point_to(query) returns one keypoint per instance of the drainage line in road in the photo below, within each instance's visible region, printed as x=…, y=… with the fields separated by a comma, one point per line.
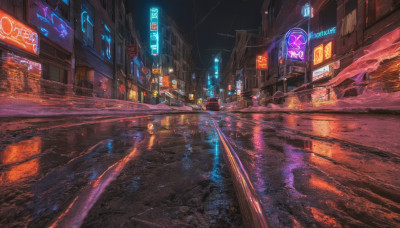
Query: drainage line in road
x=250, y=206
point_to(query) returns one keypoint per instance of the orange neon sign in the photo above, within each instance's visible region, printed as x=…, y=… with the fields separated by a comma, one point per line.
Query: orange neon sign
x=165, y=81
x=318, y=54
x=15, y=33
x=328, y=51
x=322, y=52
x=262, y=62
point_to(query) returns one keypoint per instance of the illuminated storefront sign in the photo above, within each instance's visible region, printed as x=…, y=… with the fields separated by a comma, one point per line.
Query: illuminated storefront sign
x=323, y=33
x=166, y=81
x=17, y=34
x=321, y=72
x=239, y=87
x=191, y=96
x=296, y=42
x=51, y=25
x=322, y=52
x=154, y=36
x=262, y=62
x=156, y=70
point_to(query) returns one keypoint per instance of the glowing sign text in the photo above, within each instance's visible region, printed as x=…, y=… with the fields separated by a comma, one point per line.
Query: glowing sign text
x=262, y=62
x=296, y=42
x=17, y=34
x=106, y=38
x=322, y=52
x=323, y=33
x=154, y=36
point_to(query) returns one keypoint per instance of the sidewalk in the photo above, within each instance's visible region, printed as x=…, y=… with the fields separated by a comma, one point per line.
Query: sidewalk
x=378, y=103
x=40, y=106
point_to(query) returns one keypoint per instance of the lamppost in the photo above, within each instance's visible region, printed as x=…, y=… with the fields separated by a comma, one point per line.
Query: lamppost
x=307, y=12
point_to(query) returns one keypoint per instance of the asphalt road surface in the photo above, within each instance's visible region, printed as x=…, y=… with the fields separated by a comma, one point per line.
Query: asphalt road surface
x=309, y=170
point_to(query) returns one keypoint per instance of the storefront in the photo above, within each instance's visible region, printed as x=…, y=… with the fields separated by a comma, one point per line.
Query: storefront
x=20, y=67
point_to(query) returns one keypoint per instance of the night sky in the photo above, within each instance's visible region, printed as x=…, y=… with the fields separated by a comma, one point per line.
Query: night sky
x=201, y=20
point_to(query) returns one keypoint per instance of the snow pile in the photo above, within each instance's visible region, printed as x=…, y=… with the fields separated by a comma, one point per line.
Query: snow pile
x=387, y=47
x=255, y=109
x=368, y=100
x=74, y=105
x=160, y=106
x=232, y=106
x=183, y=108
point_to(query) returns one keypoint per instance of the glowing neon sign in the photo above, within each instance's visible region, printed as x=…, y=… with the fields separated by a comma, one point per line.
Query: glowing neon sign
x=216, y=67
x=51, y=25
x=306, y=10
x=262, y=62
x=322, y=52
x=106, y=46
x=17, y=34
x=154, y=36
x=296, y=42
x=87, y=25
x=323, y=33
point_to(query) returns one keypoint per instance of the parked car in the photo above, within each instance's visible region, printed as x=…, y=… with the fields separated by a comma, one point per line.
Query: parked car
x=212, y=104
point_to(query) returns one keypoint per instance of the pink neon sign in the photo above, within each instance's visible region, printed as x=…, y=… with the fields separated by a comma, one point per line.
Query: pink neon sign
x=17, y=34
x=296, y=42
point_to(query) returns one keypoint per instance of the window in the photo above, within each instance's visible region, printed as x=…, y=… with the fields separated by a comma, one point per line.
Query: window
x=104, y=3
x=106, y=42
x=53, y=73
x=15, y=8
x=377, y=9
x=350, y=20
x=87, y=24
x=327, y=16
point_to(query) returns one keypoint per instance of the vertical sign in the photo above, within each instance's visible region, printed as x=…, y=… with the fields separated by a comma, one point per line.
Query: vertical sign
x=262, y=62
x=154, y=36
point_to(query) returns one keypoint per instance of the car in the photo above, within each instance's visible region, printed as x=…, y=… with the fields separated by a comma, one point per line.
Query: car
x=212, y=104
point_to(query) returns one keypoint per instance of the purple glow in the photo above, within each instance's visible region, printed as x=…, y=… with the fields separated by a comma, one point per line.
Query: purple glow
x=51, y=25
x=296, y=41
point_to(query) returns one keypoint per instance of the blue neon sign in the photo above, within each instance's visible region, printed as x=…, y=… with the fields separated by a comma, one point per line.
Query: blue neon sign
x=51, y=25
x=107, y=39
x=154, y=35
x=327, y=32
x=216, y=67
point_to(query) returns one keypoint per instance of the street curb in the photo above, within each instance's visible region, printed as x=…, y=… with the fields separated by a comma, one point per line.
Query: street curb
x=250, y=204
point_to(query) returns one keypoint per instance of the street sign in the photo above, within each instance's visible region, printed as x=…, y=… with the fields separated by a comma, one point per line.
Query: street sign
x=132, y=51
x=156, y=71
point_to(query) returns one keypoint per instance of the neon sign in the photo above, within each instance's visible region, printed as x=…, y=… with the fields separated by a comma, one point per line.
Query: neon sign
x=262, y=62
x=321, y=72
x=51, y=25
x=306, y=11
x=216, y=67
x=87, y=25
x=323, y=33
x=154, y=36
x=322, y=52
x=296, y=42
x=106, y=46
x=17, y=34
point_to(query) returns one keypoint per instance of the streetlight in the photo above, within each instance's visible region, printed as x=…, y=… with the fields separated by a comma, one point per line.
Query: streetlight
x=307, y=12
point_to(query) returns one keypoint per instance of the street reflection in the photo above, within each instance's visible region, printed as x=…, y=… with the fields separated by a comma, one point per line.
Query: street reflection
x=216, y=172
x=20, y=152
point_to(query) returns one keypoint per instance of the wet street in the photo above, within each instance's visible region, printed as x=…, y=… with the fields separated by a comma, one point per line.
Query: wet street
x=309, y=170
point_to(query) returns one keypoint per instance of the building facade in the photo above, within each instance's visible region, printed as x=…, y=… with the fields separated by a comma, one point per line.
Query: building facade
x=71, y=47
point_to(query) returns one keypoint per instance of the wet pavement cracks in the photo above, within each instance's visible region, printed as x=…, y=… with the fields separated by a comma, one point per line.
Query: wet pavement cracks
x=321, y=170
x=151, y=171
x=310, y=170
